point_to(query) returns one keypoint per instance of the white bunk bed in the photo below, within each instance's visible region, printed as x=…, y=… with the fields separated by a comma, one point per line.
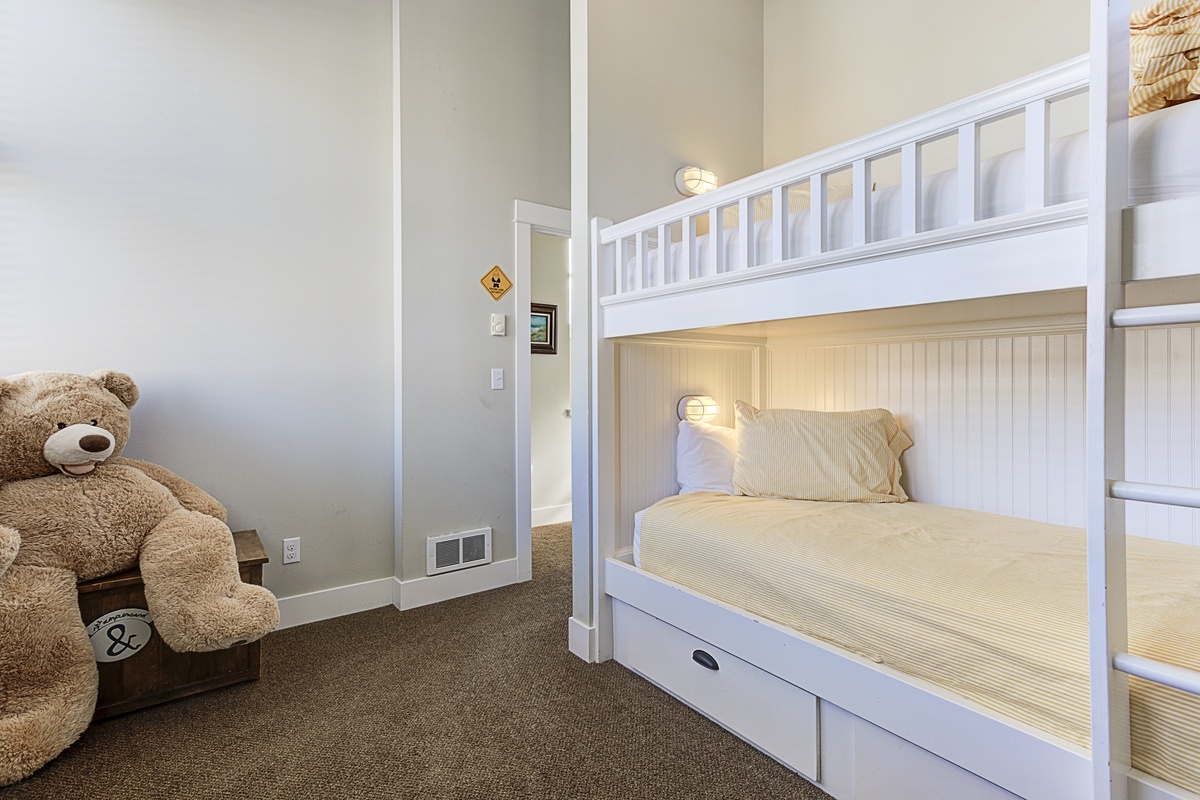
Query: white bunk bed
x=791, y=248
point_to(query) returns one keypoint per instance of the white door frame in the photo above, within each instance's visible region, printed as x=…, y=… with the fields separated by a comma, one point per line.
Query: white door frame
x=528, y=218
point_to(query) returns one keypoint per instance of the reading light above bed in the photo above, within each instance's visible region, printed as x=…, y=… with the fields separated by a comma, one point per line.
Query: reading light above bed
x=693, y=180
x=698, y=408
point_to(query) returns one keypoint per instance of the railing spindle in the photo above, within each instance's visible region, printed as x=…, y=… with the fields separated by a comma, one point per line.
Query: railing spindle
x=779, y=225
x=716, y=242
x=818, y=212
x=968, y=173
x=687, y=250
x=662, y=271
x=1037, y=144
x=860, y=186
x=910, y=188
x=642, y=246
x=746, y=231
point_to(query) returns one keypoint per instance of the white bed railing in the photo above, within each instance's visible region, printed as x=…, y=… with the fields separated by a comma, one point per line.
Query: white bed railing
x=660, y=249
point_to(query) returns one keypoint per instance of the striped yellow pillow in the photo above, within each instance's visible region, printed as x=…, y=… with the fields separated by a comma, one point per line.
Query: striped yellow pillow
x=848, y=456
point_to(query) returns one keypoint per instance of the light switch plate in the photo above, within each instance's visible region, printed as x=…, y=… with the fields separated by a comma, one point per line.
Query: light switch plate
x=497, y=379
x=498, y=326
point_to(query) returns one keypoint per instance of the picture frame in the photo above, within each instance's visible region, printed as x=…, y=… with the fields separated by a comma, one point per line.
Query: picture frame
x=543, y=328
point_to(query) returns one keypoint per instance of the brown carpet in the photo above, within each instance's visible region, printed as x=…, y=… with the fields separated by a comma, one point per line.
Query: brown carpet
x=473, y=698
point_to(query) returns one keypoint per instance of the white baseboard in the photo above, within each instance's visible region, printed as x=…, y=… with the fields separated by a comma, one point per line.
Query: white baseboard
x=449, y=585
x=300, y=609
x=581, y=640
x=550, y=515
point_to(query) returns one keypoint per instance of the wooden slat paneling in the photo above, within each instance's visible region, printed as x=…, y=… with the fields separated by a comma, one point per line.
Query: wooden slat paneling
x=997, y=421
x=651, y=376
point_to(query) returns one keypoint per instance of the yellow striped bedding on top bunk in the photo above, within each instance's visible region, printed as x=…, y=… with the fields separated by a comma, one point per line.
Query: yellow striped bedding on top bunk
x=1164, y=54
x=992, y=608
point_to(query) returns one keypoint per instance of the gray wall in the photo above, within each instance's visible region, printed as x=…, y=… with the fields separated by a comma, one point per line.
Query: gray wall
x=835, y=71
x=484, y=121
x=670, y=83
x=661, y=84
x=198, y=193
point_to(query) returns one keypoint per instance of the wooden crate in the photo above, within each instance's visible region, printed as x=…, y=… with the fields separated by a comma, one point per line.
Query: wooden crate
x=154, y=673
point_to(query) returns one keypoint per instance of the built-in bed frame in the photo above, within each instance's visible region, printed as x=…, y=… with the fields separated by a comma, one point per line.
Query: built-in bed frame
x=859, y=729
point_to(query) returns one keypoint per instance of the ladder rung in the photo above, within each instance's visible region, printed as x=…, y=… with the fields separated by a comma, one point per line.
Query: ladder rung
x=1178, y=314
x=1187, y=680
x=1155, y=493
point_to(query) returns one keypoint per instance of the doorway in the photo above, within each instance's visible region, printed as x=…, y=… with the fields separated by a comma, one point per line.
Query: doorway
x=543, y=381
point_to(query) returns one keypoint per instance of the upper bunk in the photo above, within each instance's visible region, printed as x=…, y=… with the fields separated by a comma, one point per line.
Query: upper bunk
x=981, y=198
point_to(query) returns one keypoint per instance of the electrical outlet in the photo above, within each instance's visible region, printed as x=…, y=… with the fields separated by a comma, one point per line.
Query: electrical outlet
x=291, y=551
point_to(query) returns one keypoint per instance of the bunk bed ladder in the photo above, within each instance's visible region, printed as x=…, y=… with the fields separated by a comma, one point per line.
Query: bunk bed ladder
x=1105, y=426
x=1106, y=488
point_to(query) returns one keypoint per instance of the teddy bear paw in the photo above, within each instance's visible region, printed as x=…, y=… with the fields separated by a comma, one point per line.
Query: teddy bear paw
x=244, y=614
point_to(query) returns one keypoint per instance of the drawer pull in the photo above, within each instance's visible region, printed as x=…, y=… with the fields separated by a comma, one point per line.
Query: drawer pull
x=705, y=660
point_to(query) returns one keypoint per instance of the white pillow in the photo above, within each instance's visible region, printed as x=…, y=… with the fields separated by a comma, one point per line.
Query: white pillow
x=704, y=457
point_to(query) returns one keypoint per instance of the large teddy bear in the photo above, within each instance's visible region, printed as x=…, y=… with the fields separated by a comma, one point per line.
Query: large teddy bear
x=72, y=509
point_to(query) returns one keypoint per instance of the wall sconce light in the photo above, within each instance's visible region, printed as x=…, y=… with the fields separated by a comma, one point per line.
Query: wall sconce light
x=698, y=408
x=693, y=180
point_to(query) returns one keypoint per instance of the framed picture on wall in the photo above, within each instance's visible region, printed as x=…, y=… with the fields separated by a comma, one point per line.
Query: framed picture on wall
x=543, y=328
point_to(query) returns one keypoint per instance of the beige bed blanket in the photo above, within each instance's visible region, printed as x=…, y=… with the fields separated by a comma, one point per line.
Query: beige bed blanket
x=1164, y=54
x=992, y=608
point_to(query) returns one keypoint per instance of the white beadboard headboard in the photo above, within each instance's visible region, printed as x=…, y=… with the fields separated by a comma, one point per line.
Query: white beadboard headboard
x=996, y=415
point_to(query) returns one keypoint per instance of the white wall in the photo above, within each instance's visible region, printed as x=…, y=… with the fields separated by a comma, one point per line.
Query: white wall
x=484, y=120
x=199, y=193
x=834, y=71
x=550, y=387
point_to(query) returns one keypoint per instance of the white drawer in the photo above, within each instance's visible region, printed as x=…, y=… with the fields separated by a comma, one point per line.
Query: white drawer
x=776, y=717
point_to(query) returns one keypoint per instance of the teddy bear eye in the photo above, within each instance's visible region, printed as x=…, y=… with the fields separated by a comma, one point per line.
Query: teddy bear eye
x=95, y=423
x=62, y=425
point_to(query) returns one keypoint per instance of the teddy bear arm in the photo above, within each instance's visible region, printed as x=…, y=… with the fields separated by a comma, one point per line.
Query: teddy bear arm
x=189, y=495
x=194, y=589
x=48, y=669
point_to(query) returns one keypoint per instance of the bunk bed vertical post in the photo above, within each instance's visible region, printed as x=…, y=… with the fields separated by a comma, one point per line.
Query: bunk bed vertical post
x=746, y=231
x=603, y=459
x=818, y=212
x=910, y=188
x=606, y=272
x=968, y=173
x=779, y=225
x=861, y=188
x=1107, y=196
x=1037, y=142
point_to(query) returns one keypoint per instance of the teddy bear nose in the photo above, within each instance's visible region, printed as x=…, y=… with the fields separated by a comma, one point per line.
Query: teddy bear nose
x=94, y=443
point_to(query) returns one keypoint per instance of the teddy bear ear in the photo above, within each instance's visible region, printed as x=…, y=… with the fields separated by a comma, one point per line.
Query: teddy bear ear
x=119, y=384
x=5, y=388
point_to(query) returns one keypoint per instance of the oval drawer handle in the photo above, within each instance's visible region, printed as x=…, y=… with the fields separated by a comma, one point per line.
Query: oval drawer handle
x=705, y=660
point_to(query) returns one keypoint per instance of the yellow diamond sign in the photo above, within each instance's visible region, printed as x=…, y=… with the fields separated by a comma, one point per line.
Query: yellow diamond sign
x=496, y=282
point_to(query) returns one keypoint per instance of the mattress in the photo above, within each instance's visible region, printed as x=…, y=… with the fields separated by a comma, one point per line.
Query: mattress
x=992, y=608
x=1164, y=163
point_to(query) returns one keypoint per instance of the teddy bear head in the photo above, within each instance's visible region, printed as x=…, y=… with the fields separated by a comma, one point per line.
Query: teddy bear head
x=59, y=422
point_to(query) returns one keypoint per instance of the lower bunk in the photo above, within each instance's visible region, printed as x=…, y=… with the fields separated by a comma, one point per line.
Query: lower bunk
x=878, y=671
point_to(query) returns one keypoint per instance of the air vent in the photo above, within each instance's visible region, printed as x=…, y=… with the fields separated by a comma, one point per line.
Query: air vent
x=458, y=551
